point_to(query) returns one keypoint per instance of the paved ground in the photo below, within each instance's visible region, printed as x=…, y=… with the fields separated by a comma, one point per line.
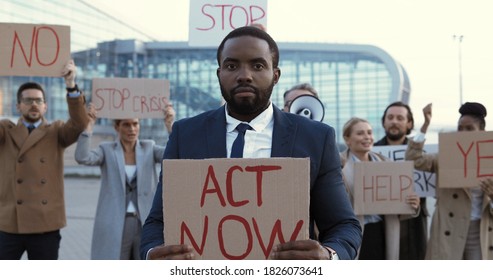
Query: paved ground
x=81, y=196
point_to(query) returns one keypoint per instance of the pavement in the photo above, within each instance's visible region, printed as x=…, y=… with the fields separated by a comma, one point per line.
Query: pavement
x=81, y=197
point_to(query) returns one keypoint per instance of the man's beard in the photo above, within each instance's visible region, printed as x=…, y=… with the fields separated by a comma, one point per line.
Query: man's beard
x=248, y=106
x=395, y=136
x=27, y=117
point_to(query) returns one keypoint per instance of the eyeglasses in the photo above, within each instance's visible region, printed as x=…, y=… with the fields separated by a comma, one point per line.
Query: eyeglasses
x=31, y=101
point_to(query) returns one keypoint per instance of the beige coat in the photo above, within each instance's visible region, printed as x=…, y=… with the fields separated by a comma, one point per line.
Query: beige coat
x=31, y=184
x=450, y=223
x=392, y=222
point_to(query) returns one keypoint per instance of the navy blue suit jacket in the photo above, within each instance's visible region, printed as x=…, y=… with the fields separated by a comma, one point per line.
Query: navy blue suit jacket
x=204, y=136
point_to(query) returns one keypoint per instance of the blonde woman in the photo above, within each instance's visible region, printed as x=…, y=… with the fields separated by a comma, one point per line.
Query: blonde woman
x=381, y=233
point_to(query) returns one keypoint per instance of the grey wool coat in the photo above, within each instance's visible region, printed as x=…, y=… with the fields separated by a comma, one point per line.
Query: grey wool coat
x=111, y=208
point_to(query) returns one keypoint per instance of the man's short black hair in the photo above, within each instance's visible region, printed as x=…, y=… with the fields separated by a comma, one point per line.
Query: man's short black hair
x=28, y=85
x=254, y=32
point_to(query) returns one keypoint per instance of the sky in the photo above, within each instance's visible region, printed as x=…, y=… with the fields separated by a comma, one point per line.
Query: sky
x=417, y=33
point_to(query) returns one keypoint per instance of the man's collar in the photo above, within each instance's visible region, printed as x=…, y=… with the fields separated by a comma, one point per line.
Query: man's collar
x=36, y=124
x=258, y=123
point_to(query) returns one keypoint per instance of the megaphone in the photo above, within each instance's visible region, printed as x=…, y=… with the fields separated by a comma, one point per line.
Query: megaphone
x=308, y=106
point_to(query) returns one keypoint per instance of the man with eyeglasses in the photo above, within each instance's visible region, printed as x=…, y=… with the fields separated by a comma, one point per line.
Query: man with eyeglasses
x=32, y=206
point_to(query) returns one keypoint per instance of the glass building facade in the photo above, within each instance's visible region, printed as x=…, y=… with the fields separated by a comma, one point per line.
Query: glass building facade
x=352, y=80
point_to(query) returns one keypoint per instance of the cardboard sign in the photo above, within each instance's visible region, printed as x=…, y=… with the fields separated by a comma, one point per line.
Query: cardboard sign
x=33, y=49
x=382, y=187
x=424, y=182
x=464, y=158
x=235, y=208
x=124, y=98
x=212, y=20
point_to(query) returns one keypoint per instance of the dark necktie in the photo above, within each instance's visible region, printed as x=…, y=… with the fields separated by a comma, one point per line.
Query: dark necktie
x=30, y=128
x=239, y=143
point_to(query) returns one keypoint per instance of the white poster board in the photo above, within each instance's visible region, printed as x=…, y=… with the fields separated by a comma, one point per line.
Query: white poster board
x=424, y=182
x=381, y=187
x=236, y=208
x=33, y=49
x=126, y=98
x=464, y=158
x=212, y=20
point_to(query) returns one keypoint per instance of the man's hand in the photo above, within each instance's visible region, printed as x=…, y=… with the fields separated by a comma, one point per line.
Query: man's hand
x=300, y=250
x=92, y=114
x=169, y=115
x=427, y=116
x=171, y=252
x=68, y=73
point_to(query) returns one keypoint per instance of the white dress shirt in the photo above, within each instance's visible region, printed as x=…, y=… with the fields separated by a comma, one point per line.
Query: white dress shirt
x=258, y=142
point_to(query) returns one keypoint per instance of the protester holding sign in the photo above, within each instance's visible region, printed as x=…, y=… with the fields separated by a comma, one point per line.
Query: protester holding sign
x=248, y=70
x=32, y=206
x=463, y=218
x=380, y=232
x=398, y=122
x=128, y=183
